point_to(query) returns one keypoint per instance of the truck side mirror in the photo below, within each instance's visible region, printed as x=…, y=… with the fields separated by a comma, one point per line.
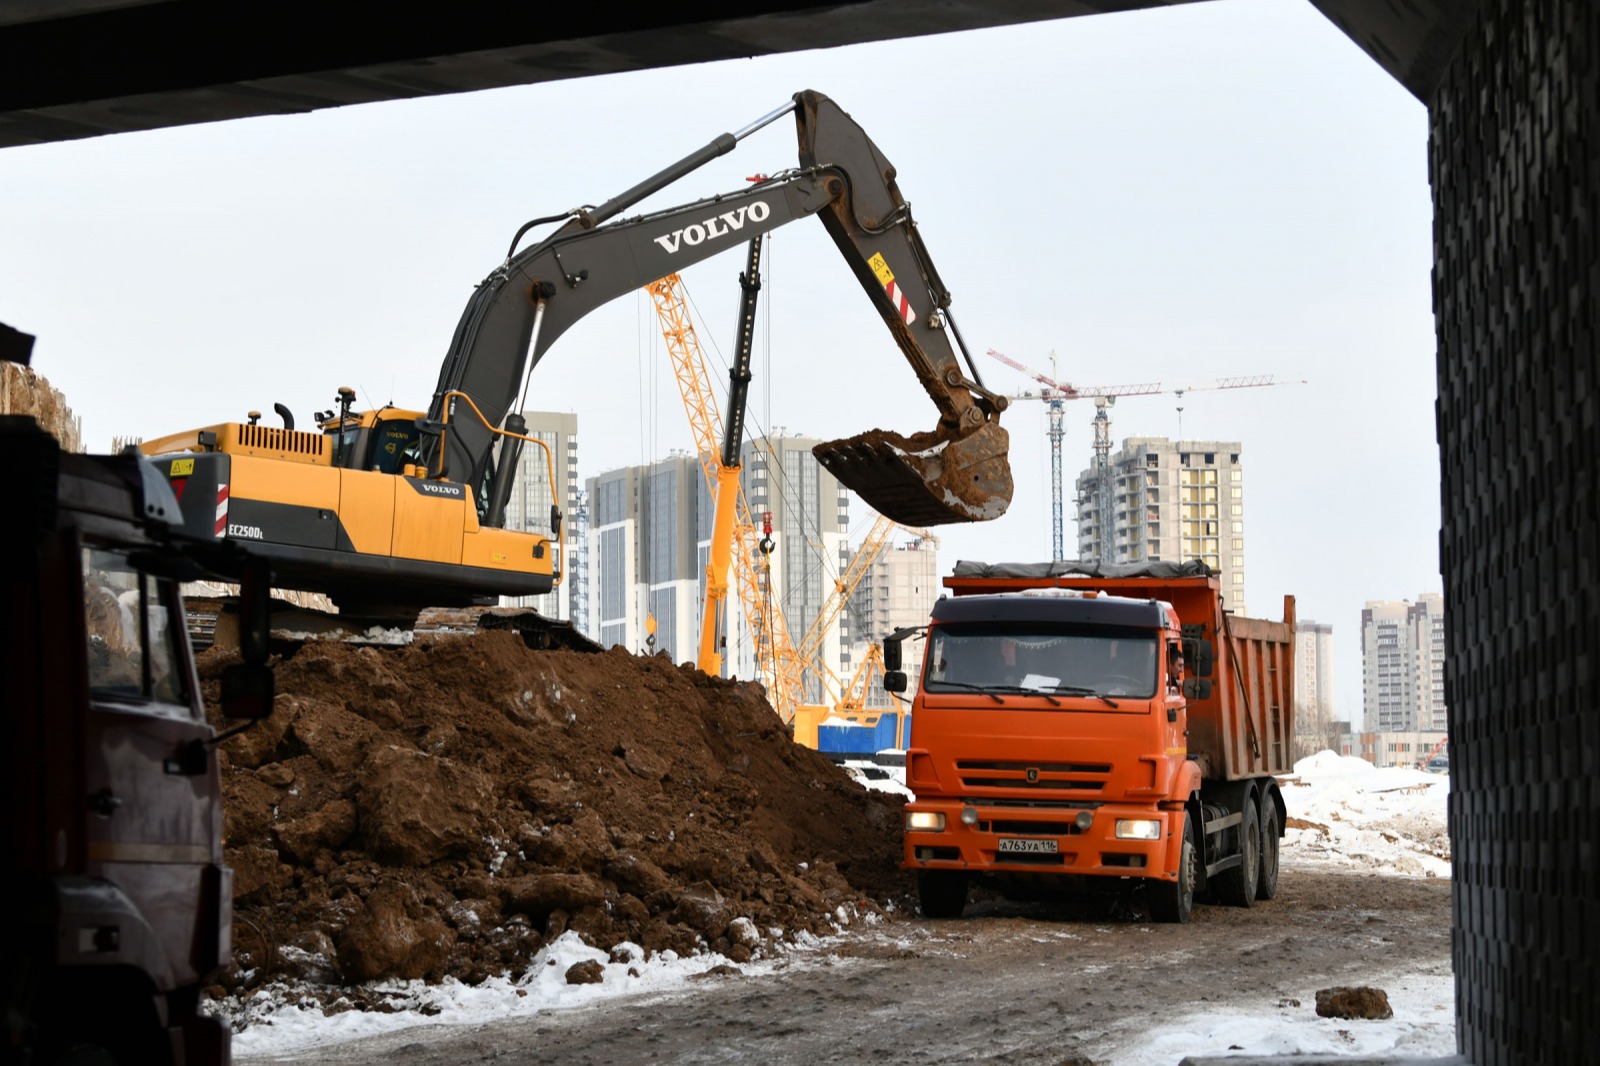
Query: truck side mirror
x=894, y=680
x=891, y=662
x=555, y=521
x=1201, y=656
x=247, y=691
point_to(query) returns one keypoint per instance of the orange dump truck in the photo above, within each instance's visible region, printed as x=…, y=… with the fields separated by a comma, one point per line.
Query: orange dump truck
x=1080, y=728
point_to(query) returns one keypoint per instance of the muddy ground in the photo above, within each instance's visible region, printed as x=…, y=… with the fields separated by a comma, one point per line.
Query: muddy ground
x=1007, y=983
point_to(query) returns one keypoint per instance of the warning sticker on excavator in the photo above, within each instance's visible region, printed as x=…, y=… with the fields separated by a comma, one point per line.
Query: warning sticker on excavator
x=896, y=297
x=181, y=468
x=881, y=268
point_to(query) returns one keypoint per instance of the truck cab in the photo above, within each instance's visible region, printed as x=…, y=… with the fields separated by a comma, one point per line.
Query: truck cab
x=113, y=839
x=1072, y=735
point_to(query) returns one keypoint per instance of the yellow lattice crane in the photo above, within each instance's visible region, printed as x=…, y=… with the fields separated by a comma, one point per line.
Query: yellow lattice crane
x=737, y=552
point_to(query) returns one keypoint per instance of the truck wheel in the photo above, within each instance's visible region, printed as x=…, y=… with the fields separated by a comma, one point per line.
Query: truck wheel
x=1172, y=901
x=1237, y=886
x=943, y=893
x=1267, y=879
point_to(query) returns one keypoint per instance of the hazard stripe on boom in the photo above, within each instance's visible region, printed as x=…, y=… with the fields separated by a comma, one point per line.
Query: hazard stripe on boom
x=900, y=302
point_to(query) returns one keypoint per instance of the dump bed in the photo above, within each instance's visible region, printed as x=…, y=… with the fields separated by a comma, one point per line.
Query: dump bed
x=1242, y=723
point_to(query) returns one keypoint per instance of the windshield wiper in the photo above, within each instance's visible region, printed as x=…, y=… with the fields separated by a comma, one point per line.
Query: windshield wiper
x=1079, y=690
x=1027, y=690
x=970, y=687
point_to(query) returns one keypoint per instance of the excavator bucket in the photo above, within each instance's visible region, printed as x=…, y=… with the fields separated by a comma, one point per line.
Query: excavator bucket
x=927, y=479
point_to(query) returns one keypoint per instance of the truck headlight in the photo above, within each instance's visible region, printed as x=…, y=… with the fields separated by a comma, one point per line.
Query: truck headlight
x=1138, y=829
x=925, y=821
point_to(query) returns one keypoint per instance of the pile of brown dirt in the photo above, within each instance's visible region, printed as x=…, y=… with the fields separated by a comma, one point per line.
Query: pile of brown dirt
x=448, y=807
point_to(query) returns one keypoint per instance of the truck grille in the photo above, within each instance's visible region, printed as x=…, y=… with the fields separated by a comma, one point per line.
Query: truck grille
x=1038, y=829
x=1052, y=776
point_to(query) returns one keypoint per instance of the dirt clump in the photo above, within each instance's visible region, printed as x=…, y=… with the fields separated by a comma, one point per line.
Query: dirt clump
x=450, y=806
x=1353, y=1002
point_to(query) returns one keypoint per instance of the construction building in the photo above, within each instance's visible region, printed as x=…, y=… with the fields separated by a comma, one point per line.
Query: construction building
x=533, y=495
x=810, y=515
x=1402, y=665
x=649, y=545
x=1313, y=675
x=1164, y=500
x=647, y=524
x=898, y=590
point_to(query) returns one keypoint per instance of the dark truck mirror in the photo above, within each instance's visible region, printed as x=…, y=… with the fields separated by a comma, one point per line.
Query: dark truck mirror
x=894, y=678
x=1200, y=656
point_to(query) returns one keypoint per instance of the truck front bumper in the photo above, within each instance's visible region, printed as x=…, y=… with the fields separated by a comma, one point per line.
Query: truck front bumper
x=1044, y=840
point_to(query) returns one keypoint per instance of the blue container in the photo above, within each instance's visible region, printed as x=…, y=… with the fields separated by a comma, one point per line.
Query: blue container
x=858, y=739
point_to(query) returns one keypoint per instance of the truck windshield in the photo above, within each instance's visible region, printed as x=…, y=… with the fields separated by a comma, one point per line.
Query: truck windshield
x=1041, y=657
x=129, y=618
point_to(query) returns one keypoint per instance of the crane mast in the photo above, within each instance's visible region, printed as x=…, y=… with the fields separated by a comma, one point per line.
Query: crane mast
x=1055, y=393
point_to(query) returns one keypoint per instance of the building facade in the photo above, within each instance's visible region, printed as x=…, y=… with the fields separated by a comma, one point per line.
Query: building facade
x=1313, y=677
x=533, y=495
x=897, y=591
x=1402, y=665
x=810, y=516
x=649, y=545
x=1169, y=501
x=646, y=528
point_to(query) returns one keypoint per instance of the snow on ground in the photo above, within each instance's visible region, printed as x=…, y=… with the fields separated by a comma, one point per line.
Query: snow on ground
x=1346, y=813
x=1343, y=813
x=1423, y=1026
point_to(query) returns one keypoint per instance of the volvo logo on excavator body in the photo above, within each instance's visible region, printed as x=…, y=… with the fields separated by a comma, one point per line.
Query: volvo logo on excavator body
x=715, y=226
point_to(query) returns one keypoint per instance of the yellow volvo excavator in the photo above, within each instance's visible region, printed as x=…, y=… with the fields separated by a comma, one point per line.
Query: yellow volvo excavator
x=391, y=510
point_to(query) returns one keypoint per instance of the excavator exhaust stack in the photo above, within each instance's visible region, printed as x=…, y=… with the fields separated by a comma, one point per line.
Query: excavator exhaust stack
x=928, y=479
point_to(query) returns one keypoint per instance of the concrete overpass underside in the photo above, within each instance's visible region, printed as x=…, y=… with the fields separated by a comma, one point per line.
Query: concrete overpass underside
x=1513, y=93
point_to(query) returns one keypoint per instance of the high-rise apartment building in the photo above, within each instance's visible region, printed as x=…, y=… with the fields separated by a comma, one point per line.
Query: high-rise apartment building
x=1313, y=676
x=646, y=524
x=1170, y=501
x=649, y=545
x=898, y=590
x=1402, y=665
x=810, y=513
x=533, y=494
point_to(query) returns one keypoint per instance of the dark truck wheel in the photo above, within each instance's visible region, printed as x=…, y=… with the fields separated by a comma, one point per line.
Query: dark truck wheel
x=943, y=893
x=1267, y=877
x=1172, y=901
x=1236, y=886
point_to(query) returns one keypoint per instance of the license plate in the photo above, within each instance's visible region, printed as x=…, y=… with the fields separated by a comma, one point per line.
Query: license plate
x=1011, y=845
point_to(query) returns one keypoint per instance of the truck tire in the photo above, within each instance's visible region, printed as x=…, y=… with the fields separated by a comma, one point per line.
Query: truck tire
x=943, y=893
x=1237, y=886
x=1267, y=878
x=1171, y=902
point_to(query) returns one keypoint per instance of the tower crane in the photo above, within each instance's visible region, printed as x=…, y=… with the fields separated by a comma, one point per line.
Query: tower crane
x=1054, y=393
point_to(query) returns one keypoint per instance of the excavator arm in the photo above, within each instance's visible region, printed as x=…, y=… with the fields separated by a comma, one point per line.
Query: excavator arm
x=957, y=472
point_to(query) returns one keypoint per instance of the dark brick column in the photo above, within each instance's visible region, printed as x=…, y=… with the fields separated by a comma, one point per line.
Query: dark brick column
x=1515, y=167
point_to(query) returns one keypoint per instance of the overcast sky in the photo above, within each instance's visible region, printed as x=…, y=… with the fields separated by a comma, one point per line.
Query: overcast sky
x=1178, y=195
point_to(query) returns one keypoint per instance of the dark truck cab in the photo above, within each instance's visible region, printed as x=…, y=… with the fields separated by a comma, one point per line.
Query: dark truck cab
x=121, y=904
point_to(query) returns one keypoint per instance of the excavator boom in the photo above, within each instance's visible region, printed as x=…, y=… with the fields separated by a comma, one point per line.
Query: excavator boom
x=958, y=472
